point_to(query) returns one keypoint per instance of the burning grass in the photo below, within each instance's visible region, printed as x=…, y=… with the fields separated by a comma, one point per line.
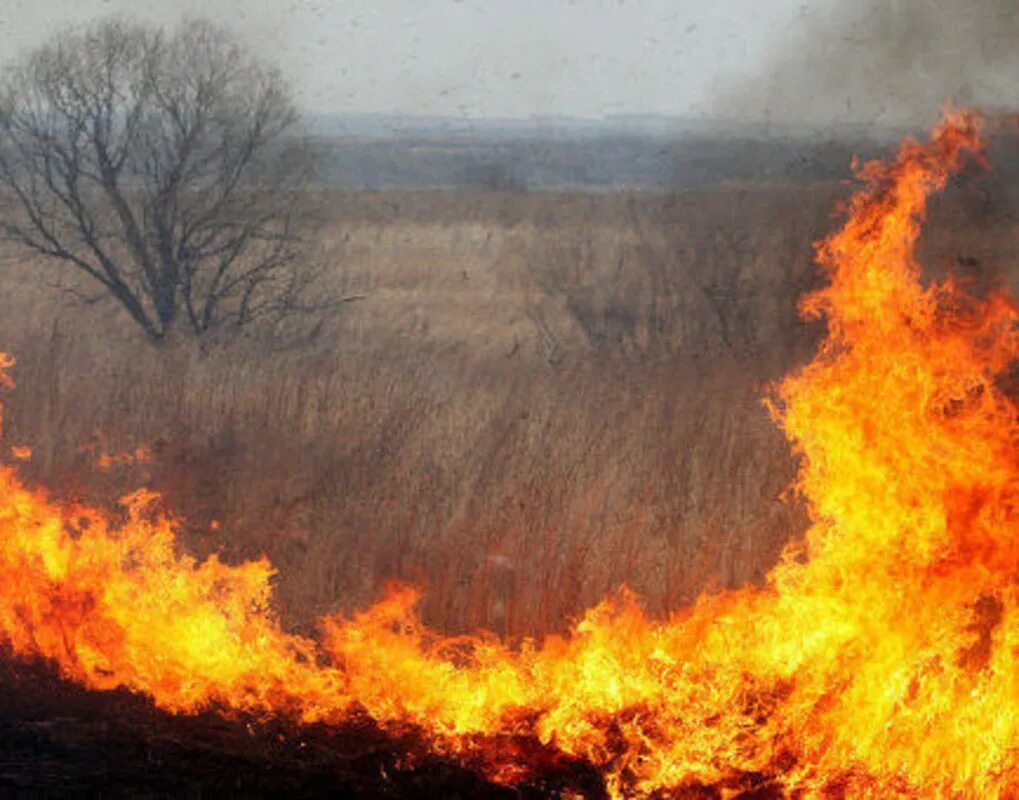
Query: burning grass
x=877, y=660
x=517, y=492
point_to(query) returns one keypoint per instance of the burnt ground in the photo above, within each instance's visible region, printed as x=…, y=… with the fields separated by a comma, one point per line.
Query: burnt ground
x=59, y=740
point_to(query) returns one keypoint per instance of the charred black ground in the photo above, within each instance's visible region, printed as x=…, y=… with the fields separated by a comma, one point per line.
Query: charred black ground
x=60, y=740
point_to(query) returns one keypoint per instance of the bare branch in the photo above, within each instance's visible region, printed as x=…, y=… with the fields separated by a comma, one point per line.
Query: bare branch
x=158, y=164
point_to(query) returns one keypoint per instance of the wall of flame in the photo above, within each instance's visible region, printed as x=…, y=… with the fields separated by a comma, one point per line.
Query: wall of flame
x=879, y=659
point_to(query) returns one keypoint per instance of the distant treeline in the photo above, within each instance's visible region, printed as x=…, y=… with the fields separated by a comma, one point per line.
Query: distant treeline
x=657, y=154
x=600, y=163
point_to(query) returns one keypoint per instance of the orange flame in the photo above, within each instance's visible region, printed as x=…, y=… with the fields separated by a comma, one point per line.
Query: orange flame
x=879, y=659
x=140, y=455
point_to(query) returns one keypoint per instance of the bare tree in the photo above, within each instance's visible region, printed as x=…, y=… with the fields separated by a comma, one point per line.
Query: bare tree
x=158, y=164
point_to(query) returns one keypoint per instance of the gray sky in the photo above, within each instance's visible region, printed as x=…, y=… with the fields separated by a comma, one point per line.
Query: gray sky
x=796, y=60
x=502, y=58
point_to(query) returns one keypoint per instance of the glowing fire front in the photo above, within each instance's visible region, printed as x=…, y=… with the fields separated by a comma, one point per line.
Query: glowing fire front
x=878, y=660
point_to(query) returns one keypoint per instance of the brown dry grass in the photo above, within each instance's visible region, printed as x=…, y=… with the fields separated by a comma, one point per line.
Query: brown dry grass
x=542, y=397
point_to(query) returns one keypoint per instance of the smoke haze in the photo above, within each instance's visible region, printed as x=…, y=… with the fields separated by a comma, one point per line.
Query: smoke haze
x=886, y=61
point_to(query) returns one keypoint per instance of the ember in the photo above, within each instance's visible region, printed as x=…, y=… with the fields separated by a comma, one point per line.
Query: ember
x=879, y=659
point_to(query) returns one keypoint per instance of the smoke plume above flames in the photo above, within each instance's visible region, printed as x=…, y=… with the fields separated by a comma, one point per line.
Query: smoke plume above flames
x=890, y=62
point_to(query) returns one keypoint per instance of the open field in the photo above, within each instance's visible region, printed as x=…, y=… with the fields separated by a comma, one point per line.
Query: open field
x=540, y=397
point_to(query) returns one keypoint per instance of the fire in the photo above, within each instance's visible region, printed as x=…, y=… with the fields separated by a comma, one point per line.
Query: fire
x=878, y=660
x=140, y=455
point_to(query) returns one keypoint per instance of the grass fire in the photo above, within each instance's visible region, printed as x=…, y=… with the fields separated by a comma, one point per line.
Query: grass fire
x=876, y=659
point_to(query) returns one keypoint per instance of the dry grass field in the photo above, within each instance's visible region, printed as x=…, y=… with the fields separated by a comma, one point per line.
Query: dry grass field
x=539, y=398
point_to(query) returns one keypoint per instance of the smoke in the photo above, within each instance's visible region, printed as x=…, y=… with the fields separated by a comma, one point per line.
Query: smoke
x=890, y=62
